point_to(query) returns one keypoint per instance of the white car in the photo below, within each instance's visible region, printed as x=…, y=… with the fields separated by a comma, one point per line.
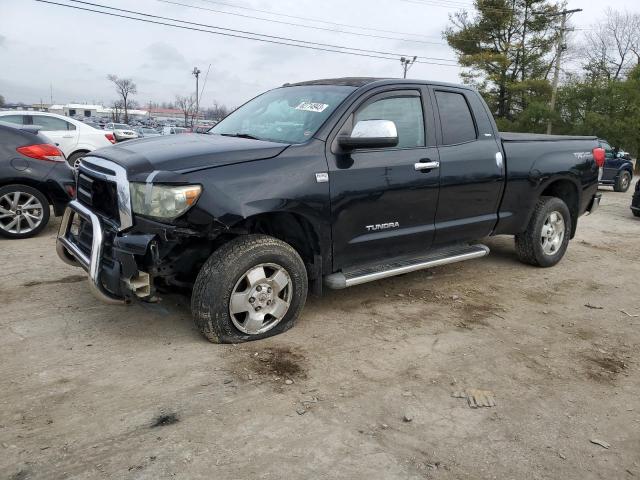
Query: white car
x=174, y=130
x=122, y=131
x=73, y=137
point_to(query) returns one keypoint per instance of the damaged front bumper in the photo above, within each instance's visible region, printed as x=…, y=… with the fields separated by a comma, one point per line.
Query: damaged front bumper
x=117, y=280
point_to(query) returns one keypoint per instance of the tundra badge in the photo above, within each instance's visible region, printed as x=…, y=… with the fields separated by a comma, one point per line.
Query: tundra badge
x=382, y=226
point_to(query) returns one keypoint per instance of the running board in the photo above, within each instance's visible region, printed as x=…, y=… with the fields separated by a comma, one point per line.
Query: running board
x=435, y=258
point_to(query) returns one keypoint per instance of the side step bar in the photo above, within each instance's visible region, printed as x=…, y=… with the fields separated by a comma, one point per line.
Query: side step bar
x=350, y=278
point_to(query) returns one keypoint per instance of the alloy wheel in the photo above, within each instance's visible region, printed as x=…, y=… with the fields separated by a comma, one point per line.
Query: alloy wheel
x=553, y=231
x=261, y=298
x=20, y=212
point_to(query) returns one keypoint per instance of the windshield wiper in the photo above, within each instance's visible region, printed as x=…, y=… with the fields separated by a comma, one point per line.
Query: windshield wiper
x=240, y=135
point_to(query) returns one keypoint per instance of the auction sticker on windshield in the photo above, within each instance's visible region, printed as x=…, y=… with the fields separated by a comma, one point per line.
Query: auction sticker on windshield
x=312, y=107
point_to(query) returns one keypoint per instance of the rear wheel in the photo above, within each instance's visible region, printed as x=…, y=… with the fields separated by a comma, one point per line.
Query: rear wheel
x=24, y=211
x=546, y=238
x=622, y=182
x=250, y=288
x=74, y=159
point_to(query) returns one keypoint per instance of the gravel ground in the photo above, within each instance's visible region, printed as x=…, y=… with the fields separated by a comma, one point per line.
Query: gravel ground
x=361, y=387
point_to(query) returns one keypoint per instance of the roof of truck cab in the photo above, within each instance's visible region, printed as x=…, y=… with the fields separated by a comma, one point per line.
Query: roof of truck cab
x=362, y=81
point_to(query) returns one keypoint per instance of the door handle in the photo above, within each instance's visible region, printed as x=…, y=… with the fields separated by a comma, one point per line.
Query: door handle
x=426, y=165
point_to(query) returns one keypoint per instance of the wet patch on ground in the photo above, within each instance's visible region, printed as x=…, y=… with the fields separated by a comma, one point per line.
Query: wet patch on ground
x=63, y=280
x=165, y=419
x=604, y=368
x=273, y=363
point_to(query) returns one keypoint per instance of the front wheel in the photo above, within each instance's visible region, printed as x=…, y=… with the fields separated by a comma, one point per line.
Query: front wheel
x=622, y=182
x=24, y=211
x=546, y=238
x=250, y=288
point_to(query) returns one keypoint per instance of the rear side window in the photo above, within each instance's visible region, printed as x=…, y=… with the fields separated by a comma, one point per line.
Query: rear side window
x=17, y=119
x=456, y=118
x=405, y=112
x=51, y=124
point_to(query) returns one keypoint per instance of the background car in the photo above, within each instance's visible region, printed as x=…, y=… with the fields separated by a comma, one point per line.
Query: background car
x=635, y=203
x=73, y=137
x=170, y=130
x=618, y=170
x=122, y=131
x=34, y=175
x=147, y=132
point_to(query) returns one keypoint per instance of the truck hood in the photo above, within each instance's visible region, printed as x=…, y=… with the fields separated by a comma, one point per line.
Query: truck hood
x=186, y=152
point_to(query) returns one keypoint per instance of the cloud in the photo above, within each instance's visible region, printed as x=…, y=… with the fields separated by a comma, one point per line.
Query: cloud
x=3, y=40
x=163, y=55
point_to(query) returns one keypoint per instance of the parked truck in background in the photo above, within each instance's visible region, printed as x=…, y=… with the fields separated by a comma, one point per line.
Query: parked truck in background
x=325, y=183
x=618, y=168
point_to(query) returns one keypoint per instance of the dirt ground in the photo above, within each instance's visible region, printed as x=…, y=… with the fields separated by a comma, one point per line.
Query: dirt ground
x=361, y=387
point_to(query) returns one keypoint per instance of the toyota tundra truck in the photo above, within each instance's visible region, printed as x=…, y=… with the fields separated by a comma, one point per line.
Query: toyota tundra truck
x=327, y=183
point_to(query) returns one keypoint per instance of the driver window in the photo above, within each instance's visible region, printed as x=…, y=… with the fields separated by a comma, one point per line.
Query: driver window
x=405, y=112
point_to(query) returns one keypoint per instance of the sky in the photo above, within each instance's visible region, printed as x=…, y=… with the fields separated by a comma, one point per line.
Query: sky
x=47, y=48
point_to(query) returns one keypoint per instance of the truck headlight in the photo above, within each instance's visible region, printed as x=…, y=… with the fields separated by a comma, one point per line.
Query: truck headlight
x=163, y=201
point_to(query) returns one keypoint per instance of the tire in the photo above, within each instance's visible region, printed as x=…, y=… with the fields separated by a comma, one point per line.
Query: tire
x=74, y=157
x=26, y=226
x=622, y=182
x=234, y=268
x=537, y=249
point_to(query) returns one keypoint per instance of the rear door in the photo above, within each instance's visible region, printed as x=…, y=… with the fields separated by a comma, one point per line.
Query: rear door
x=471, y=167
x=64, y=134
x=381, y=205
x=611, y=165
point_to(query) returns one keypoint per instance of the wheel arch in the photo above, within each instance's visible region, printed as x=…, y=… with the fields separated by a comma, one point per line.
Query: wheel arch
x=568, y=191
x=29, y=183
x=292, y=228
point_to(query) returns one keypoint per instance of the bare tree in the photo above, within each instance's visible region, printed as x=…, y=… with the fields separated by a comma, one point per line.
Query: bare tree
x=217, y=112
x=612, y=44
x=116, y=109
x=124, y=87
x=187, y=105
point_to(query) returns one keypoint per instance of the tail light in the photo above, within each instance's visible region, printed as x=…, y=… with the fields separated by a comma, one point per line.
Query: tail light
x=599, y=156
x=42, y=151
x=71, y=190
x=110, y=137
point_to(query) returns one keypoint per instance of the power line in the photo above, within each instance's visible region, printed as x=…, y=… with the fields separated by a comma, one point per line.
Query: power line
x=313, y=27
x=245, y=32
x=311, y=19
x=183, y=27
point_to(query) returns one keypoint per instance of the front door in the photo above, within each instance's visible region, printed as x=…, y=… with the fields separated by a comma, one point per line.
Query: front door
x=381, y=205
x=471, y=168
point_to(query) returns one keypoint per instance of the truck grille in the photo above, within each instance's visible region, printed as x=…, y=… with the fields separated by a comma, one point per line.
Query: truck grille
x=100, y=195
x=103, y=187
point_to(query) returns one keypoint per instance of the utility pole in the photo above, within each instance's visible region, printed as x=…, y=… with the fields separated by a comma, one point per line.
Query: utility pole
x=406, y=64
x=556, y=69
x=196, y=72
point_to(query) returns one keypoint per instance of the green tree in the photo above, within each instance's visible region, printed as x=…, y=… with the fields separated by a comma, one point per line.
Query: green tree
x=506, y=48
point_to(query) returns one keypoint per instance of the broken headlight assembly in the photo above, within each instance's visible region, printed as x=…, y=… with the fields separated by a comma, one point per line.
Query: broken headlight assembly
x=164, y=202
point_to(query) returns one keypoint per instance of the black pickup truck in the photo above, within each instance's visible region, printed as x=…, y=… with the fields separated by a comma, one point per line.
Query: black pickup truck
x=324, y=183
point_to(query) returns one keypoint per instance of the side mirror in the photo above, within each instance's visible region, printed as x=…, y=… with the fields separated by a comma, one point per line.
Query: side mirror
x=370, y=134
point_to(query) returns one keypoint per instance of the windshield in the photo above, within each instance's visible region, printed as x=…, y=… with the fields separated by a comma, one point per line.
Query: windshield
x=284, y=115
